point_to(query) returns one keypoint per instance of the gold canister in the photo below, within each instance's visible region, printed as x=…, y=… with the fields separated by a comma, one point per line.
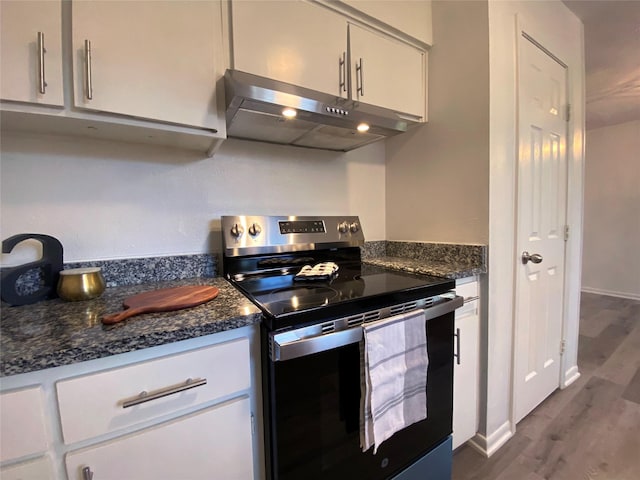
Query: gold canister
x=80, y=284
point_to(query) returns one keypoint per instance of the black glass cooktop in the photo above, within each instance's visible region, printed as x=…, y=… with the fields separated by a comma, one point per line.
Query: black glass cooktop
x=286, y=301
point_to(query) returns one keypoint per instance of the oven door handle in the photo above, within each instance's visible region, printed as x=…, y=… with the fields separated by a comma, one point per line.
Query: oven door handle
x=287, y=350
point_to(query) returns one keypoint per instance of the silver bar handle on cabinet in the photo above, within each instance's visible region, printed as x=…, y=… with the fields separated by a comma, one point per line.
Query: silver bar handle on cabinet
x=457, y=354
x=87, y=66
x=42, y=84
x=359, y=73
x=307, y=346
x=147, y=397
x=342, y=71
x=87, y=474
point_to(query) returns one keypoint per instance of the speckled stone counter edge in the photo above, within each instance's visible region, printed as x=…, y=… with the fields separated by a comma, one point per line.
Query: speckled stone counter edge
x=439, y=259
x=53, y=332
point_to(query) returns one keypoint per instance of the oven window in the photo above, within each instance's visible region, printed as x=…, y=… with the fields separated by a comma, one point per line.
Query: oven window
x=313, y=414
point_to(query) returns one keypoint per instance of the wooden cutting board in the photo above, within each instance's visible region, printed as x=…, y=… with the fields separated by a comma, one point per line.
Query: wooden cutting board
x=163, y=300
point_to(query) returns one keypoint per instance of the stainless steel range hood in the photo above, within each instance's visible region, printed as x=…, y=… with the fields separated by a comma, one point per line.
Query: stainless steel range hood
x=255, y=105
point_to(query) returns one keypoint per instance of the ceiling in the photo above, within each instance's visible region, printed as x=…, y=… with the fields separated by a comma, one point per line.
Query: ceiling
x=612, y=59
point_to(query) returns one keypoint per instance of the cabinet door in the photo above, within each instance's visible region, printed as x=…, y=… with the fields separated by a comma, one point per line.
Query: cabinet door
x=21, y=61
x=39, y=469
x=22, y=423
x=290, y=41
x=153, y=60
x=387, y=73
x=411, y=17
x=465, y=374
x=213, y=444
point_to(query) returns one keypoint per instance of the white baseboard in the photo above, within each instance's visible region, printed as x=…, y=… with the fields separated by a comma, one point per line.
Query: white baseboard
x=611, y=293
x=570, y=376
x=487, y=446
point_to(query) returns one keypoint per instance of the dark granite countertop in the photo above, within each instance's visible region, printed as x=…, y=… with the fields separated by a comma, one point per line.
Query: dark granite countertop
x=52, y=333
x=448, y=269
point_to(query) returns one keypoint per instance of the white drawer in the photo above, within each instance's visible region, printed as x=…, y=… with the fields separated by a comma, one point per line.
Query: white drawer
x=212, y=444
x=95, y=404
x=38, y=469
x=22, y=427
x=468, y=290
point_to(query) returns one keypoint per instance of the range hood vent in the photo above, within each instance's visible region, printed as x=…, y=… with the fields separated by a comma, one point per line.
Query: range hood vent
x=255, y=105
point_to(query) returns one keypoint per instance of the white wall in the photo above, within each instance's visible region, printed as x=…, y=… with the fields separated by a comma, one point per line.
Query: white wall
x=611, y=260
x=107, y=200
x=438, y=174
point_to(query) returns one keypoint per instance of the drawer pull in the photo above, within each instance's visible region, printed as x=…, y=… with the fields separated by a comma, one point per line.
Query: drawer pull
x=87, y=474
x=88, y=80
x=147, y=397
x=42, y=84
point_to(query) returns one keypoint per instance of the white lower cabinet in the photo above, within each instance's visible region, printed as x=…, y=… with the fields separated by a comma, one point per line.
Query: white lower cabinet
x=466, y=372
x=22, y=425
x=38, y=469
x=215, y=443
x=95, y=404
x=181, y=411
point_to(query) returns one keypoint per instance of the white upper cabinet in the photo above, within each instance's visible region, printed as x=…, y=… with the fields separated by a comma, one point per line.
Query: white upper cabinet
x=152, y=60
x=412, y=17
x=307, y=44
x=293, y=42
x=31, y=52
x=386, y=72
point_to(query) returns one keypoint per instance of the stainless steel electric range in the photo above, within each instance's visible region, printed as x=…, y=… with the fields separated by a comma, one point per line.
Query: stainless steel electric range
x=306, y=275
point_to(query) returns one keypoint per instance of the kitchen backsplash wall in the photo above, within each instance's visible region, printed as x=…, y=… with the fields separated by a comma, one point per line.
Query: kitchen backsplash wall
x=108, y=200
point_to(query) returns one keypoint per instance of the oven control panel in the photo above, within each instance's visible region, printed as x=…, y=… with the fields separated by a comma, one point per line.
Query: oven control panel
x=301, y=226
x=250, y=235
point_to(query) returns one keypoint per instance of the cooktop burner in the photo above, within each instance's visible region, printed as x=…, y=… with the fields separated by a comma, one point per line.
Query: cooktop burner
x=301, y=296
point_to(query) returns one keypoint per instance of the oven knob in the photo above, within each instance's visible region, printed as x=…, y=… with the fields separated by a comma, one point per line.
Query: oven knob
x=237, y=231
x=354, y=227
x=343, y=227
x=254, y=230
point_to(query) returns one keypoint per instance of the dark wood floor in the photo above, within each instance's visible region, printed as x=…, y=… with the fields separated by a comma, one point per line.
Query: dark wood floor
x=590, y=430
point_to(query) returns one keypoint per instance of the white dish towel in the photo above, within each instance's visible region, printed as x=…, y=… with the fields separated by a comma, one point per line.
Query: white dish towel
x=394, y=362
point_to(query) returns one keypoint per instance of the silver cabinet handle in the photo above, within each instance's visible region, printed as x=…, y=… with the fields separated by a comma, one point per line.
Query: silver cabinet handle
x=342, y=72
x=42, y=84
x=457, y=354
x=535, y=258
x=88, y=83
x=359, y=73
x=87, y=474
x=147, y=397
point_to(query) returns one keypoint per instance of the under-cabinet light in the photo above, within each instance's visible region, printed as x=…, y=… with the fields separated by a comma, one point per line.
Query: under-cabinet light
x=289, y=112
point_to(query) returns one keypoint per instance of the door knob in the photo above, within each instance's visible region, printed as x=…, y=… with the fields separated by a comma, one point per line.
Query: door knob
x=535, y=258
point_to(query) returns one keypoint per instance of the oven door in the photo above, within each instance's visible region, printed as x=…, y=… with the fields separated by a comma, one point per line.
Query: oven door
x=312, y=406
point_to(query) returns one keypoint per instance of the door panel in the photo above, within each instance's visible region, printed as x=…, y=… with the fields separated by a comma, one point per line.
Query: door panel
x=153, y=60
x=297, y=43
x=541, y=218
x=19, y=72
x=391, y=75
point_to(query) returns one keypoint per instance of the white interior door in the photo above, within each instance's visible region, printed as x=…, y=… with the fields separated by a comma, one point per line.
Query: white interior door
x=541, y=218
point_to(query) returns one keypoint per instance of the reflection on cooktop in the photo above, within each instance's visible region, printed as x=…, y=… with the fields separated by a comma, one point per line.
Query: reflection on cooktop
x=280, y=294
